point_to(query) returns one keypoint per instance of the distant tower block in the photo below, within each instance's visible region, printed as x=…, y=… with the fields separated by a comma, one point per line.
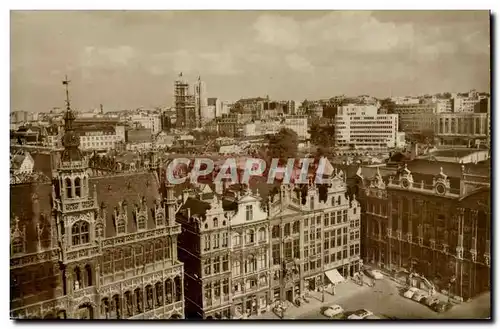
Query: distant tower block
x=184, y=104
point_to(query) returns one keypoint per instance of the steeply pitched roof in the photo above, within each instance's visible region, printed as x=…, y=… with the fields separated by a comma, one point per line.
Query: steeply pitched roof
x=129, y=187
x=31, y=203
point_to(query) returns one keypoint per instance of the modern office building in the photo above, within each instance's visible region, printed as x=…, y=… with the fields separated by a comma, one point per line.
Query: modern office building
x=360, y=126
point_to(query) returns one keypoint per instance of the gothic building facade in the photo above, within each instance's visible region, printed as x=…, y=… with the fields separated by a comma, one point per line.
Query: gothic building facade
x=94, y=247
x=435, y=225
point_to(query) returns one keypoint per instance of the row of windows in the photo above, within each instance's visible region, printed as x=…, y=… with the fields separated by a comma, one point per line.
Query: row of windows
x=77, y=184
x=94, y=144
x=330, y=217
x=250, y=237
x=250, y=265
x=135, y=303
x=215, y=265
x=332, y=240
x=215, y=289
x=138, y=256
x=215, y=241
x=105, y=137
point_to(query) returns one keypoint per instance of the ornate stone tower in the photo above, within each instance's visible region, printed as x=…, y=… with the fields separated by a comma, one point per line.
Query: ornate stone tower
x=75, y=211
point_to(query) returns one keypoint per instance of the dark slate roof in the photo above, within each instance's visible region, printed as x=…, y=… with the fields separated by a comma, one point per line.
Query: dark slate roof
x=196, y=206
x=42, y=163
x=130, y=187
x=451, y=169
x=24, y=206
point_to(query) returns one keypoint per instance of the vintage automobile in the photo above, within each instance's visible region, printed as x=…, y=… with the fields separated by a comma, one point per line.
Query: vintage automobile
x=360, y=314
x=333, y=311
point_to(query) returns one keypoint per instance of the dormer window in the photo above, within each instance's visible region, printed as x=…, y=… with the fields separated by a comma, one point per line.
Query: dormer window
x=249, y=212
x=17, y=246
x=159, y=220
x=141, y=222
x=216, y=222
x=121, y=227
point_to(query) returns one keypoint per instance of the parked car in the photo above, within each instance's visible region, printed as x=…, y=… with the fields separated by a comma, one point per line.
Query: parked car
x=410, y=292
x=359, y=314
x=429, y=301
x=373, y=317
x=441, y=307
x=374, y=274
x=418, y=296
x=333, y=311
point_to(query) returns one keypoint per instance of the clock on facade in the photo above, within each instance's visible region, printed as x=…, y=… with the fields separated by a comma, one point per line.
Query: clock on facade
x=440, y=189
x=406, y=183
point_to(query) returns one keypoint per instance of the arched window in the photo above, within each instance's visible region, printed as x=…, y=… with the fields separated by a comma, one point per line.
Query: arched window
x=236, y=239
x=216, y=222
x=121, y=226
x=75, y=234
x=333, y=201
x=105, y=308
x=17, y=246
x=236, y=267
x=262, y=234
x=178, y=288
x=78, y=187
x=138, y=299
x=69, y=188
x=128, y=304
x=159, y=294
x=88, y=275
x=116, y=307
x=84, y=233
x=168, y=292
x=149, y=297
x=338, y=200
x=77, y=279
x=158, y=250
x=250, y=236
x=84, y=185
x=159, y=220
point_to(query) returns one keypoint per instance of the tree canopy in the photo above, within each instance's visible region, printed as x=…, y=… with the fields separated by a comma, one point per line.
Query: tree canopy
x=283, y=145
x=323, y=136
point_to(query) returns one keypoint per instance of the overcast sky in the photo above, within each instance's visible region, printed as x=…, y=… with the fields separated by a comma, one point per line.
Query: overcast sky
x=130, y=59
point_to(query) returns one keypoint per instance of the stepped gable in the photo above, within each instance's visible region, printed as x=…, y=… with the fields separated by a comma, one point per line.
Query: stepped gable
x=129, y=188
x=31, y=204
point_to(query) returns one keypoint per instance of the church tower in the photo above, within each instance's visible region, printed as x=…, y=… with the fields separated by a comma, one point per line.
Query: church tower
x=75, y=208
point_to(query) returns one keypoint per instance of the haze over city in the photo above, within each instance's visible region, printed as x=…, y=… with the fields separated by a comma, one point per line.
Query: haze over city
x=128, y=60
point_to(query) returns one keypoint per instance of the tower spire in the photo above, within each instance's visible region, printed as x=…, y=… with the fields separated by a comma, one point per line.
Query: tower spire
x=69, y=116
x=71, y=139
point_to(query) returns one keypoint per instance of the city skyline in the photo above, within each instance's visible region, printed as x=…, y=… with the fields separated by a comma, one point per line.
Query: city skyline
x=284, y=54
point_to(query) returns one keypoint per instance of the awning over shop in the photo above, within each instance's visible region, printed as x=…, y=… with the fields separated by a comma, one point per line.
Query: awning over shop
x=334, y=276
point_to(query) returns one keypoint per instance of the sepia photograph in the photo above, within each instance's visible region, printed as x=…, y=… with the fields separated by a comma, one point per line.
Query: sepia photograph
x=321, y=165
